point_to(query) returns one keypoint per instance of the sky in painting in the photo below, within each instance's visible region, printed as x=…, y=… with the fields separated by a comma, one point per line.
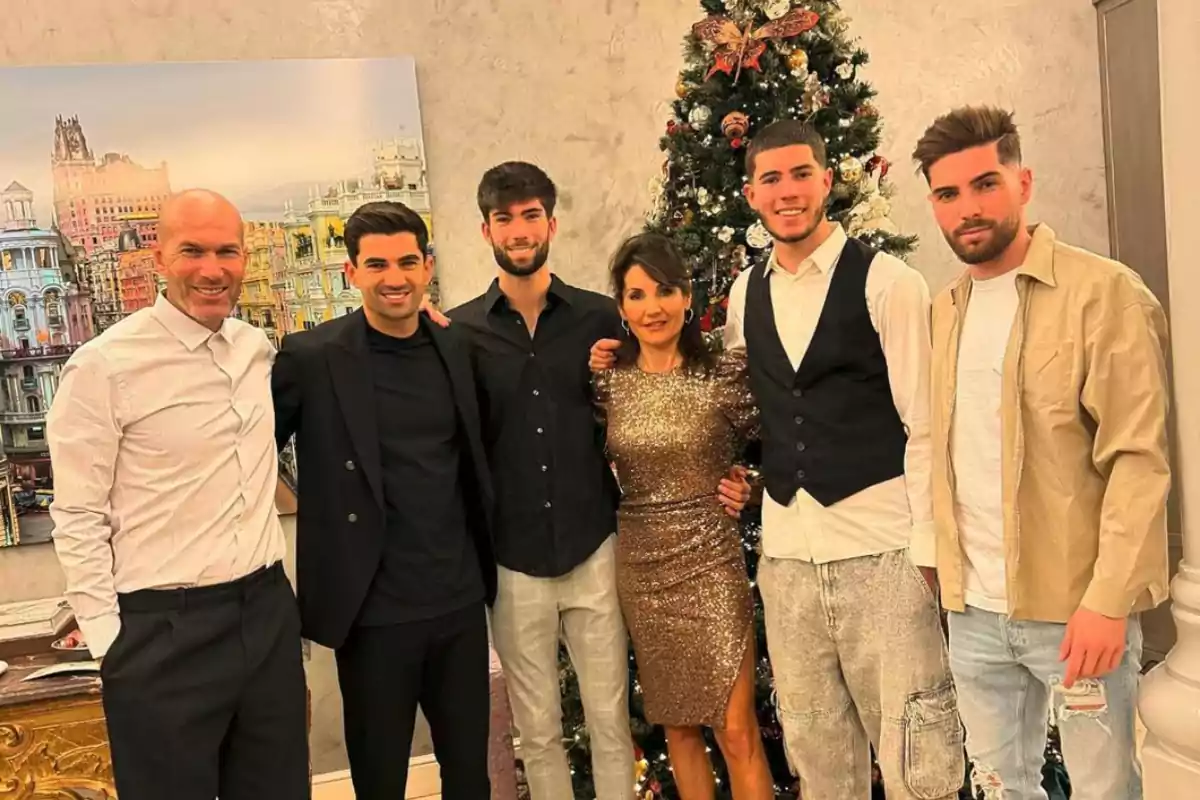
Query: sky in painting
x=260, y=132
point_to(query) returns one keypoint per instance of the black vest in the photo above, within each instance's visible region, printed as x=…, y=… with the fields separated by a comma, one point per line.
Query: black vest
x=831, y=426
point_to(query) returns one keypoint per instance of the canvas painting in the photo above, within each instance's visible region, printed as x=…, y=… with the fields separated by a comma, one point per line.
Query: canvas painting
x=88, y=155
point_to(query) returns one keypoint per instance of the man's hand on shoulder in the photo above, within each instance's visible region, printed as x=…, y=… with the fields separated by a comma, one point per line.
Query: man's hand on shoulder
x=603, y=355
x=430, y=310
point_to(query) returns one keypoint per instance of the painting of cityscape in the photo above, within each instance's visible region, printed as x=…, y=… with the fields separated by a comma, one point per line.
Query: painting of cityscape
x=88, y=155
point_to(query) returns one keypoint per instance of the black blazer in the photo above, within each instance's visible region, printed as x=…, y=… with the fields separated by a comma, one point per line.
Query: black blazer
x=324, y=395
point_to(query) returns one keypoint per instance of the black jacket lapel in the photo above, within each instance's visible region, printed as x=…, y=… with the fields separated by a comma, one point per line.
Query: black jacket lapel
x=350, y=366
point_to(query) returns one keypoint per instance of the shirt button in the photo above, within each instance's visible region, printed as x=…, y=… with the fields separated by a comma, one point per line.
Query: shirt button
x=800, y=475
x=547, y=504
x=352, y=518
x=350, y=465
x=800, y=446
x=539, y=431
x=799, y=420
x=536, y=392
x=797, y=393
x=544, y=467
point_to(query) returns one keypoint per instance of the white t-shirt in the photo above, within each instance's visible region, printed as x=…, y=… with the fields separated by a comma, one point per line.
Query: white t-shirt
x=975, y=443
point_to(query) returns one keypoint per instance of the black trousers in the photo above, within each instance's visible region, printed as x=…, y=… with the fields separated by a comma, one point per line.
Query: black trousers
x=439, y=664
x=204, y=693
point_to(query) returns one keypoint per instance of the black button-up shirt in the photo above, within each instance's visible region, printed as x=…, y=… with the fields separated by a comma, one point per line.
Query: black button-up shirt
x=556, y=496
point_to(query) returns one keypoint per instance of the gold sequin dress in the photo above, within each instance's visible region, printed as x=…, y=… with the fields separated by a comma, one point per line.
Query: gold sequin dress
x=681, y=572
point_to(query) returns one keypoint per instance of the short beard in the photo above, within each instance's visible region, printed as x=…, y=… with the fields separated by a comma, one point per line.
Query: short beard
x=1003, y=234
x=794, y=238
x=517, y=270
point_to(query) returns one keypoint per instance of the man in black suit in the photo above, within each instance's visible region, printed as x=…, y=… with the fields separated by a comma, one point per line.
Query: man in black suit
x=394, y=553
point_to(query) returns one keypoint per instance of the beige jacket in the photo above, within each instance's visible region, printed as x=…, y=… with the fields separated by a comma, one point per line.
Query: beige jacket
x=1083, y=414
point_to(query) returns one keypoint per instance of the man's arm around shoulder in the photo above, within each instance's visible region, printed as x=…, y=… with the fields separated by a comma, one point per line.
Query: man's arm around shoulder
x=83, y=430
x=287, y=387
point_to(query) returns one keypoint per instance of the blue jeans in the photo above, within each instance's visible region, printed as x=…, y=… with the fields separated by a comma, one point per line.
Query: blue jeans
x=1009, y=680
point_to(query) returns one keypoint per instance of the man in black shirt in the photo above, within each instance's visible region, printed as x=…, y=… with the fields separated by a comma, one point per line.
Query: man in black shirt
x=394, y=554
x=556, y=497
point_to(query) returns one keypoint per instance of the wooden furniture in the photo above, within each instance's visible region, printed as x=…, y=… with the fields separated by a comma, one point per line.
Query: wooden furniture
x=53, y=739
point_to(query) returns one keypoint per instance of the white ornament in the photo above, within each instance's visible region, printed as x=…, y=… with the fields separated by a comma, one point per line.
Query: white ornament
x=725, y=234
x=775, y=9
x=699, y=116
x=845, y=70
x=757, y=236
x=702, y=196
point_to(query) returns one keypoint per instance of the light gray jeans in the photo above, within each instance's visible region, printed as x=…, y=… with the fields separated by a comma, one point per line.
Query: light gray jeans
x=859, y=659
x=529, y=617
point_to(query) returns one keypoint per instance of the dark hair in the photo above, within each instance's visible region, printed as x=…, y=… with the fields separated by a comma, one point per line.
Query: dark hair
x=964, y=128
x=515, y=182
x=658, y=256
x=785, y=133
x=386, y=217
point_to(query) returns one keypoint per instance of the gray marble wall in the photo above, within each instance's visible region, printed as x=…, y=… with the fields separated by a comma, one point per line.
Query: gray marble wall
x=584, y=88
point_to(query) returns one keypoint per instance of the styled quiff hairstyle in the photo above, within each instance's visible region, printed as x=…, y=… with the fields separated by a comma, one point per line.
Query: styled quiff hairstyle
x=785, y=133
x=964, y=128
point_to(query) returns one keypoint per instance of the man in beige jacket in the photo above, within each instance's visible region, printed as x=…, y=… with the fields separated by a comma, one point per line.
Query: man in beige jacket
x=1050, y=472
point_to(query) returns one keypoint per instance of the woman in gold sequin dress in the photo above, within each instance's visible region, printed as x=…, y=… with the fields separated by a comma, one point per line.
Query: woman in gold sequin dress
x=677, y=416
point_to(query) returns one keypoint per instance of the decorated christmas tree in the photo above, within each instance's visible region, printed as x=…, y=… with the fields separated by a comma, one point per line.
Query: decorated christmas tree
x=748, y=63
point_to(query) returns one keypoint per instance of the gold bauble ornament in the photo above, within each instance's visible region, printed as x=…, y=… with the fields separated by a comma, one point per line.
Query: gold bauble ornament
x=735, y=124
x=798, y=60
x=682, y=88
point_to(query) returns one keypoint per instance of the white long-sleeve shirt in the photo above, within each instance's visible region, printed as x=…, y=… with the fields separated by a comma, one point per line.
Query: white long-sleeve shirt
x=887, y=516
x=162, y=443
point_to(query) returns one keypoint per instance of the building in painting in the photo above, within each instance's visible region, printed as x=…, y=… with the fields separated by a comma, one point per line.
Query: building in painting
x=95, y=199
x=313, y=288
x=137, y=278
x=10, y=529
x=44, y=317
x=265, y=243
x=101, y=271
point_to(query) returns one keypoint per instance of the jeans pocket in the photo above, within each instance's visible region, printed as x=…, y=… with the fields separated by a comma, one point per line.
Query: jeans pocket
x=934, y=758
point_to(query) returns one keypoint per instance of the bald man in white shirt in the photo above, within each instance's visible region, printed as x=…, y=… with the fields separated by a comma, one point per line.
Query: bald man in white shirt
x=162, y=440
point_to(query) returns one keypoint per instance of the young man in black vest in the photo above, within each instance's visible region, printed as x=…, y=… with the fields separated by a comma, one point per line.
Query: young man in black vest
x=393, y=556
x=837, y=337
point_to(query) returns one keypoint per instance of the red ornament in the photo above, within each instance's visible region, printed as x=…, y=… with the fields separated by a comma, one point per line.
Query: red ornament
x=880, y=163
x=737, y=49
x=736, y=143
x=672, y=126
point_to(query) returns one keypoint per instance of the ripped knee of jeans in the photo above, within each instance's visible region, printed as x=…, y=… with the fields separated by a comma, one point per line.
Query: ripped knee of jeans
x=934, y=758
x=1086, y=698
x=986, y=782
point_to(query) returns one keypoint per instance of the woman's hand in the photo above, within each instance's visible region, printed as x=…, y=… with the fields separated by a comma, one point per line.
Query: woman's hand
x=603, y=355
x=734, y=492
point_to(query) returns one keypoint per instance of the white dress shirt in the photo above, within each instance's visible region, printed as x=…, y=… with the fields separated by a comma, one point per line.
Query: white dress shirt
x=891, y=515
x=162, y=440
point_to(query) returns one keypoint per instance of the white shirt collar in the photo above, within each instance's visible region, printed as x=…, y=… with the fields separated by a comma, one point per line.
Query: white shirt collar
x=187, y=330
x=823, y=258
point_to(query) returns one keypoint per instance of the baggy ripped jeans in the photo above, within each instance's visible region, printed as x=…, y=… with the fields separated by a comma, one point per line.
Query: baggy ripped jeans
x=859, y=658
